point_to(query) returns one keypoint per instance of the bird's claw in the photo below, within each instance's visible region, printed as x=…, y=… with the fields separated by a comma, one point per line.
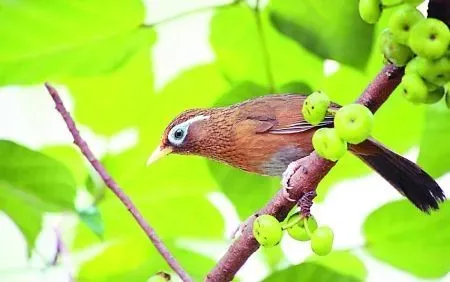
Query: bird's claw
x=287, y=174
x=286, y=194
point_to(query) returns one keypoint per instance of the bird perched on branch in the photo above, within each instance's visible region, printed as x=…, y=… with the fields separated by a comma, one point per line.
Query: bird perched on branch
x=264, y=135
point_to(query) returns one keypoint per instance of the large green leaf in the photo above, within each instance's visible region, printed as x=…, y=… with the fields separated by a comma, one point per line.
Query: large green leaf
x=119, y=100
x=32, y=183
x=186, y=214
x=434, y=154
x=72, y=158
x=310, y=272
x=332, y=29
x=116, y=263
x=241, y=56
x=60, y=38
x=402, y=236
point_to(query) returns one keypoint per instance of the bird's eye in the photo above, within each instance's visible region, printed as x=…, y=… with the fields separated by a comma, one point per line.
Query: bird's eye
x=179, y=133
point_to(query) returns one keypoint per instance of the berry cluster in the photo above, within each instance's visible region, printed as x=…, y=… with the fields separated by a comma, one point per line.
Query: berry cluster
x=352, y=124
x=421, y=44
x=268, y=231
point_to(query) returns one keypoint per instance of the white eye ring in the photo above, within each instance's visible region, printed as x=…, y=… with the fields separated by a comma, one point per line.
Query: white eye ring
x=178, y=133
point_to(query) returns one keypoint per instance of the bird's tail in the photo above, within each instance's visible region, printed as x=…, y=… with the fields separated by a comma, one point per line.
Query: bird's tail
x=408, y=178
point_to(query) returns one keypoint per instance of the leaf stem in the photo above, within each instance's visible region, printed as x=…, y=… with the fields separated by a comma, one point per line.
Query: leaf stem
x=114, y=187
x=263, y=43
x=191, y=12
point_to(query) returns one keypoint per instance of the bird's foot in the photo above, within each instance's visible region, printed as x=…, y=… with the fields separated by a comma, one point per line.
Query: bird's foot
x=287, y=174
x=305, y=203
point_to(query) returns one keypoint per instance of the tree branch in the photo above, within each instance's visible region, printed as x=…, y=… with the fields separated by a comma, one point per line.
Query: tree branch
x=114, y=187
x=305, y=179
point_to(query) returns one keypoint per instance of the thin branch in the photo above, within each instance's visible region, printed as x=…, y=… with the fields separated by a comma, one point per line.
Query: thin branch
x=305, y=179
x=264, y=48
x=190, y=13
x=114, y=187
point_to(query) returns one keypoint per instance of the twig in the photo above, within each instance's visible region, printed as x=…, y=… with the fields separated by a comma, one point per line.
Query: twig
x=305, y=179
x=264, y=48
x=191, y=12
x=114, y=187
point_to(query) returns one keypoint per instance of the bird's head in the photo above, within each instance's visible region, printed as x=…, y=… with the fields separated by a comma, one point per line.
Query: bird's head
x=183, y=135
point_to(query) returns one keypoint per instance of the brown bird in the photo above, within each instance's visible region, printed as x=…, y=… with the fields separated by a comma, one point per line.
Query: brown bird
x=264, y=135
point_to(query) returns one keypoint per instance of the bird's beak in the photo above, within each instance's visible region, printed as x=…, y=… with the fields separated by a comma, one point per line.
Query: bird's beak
x=158, y=153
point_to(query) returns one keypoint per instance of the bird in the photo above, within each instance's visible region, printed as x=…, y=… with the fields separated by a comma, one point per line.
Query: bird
x=263, y=135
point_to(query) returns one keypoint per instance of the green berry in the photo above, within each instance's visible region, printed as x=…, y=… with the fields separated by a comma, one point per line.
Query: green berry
x=353, y=123
x=328, y=144
x=298, y=230
x=267, y=230
x=315, y=107
x=402, y=21
x=396, y=53
x=388, y=3
x=370, y=10
x=413, y=88
x=433, y=71
x=429, y=38
x=434, y=96
x=322, y=241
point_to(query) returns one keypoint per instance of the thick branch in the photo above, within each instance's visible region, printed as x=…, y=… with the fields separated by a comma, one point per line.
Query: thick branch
x=114, y=187
x=305, y=179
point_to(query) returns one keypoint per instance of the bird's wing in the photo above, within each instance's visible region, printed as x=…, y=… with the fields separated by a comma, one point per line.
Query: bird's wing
x=300, y=126
x=279, y=114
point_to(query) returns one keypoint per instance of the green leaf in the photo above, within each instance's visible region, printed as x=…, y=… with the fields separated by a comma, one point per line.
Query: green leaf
x=343, y=262
x=331, y=29
x=32, y=183
x=312, y=272
x=434, y=156
x=402, y=236
x=92, y=218
x=186, y=214
x=240, y=52
x=71, y=158
x=60, y=38
x=145, y=261
x=111, y=102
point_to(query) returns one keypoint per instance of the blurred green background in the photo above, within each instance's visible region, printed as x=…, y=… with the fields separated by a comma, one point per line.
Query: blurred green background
x=126, y=68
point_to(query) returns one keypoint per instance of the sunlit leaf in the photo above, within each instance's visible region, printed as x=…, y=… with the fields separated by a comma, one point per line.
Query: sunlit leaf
x=119, y=100
x=92, y=218
x=342, y=262
x=434, y=154
x=65, y=38
x=241, y=56
x=71, y=158
x=116, y=263
x=399, y=234
x=310, y=272
x=32, y=183
x=331, y=29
